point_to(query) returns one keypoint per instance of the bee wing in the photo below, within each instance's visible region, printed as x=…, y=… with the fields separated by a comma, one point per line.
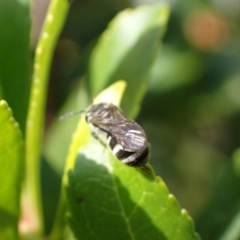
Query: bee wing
x=129, y=135
x=125, y=132
x=104, y=111
x=104, y=124
x=116, y=113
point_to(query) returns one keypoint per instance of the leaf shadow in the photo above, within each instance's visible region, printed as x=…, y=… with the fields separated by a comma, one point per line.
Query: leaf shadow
x=100, y=206
x=8, y=224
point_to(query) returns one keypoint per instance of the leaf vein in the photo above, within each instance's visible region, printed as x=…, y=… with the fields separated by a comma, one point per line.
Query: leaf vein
x=122, y=210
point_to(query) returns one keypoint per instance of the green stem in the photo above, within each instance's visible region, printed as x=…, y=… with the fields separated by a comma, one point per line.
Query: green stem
x=54, y=21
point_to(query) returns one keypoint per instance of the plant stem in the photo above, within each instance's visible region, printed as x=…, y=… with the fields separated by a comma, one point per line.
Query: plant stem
x=53, y=24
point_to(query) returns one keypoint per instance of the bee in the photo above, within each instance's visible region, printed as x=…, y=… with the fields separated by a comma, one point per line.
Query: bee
x=126, y=139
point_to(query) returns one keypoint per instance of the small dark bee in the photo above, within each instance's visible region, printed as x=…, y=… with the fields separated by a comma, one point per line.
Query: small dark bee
x=126, y=138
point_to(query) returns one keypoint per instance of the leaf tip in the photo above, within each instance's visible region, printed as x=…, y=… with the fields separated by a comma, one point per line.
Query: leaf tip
x=165, y=12
x=113, y=93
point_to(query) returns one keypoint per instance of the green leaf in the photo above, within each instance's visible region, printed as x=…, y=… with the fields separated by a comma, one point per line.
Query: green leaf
x=107, y=199
x=15, y=56
x=11, y=172
x=127, y=50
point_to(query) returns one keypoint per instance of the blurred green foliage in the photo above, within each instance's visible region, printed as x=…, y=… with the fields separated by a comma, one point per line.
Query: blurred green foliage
x=191, y=111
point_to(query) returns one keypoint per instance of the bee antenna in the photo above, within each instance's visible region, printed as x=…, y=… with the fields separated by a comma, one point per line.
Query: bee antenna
x=70, y=114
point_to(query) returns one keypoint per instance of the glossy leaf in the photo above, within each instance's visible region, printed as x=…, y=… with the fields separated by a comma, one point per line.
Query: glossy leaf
x=107, y=198
x=127, y=50
x=11, y=172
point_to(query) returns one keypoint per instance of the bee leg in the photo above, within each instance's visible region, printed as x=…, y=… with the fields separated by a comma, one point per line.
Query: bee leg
x=95, y=135
x=147, y=169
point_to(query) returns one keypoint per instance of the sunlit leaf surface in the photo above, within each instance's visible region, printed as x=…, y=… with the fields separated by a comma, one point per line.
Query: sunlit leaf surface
x=108, y=199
